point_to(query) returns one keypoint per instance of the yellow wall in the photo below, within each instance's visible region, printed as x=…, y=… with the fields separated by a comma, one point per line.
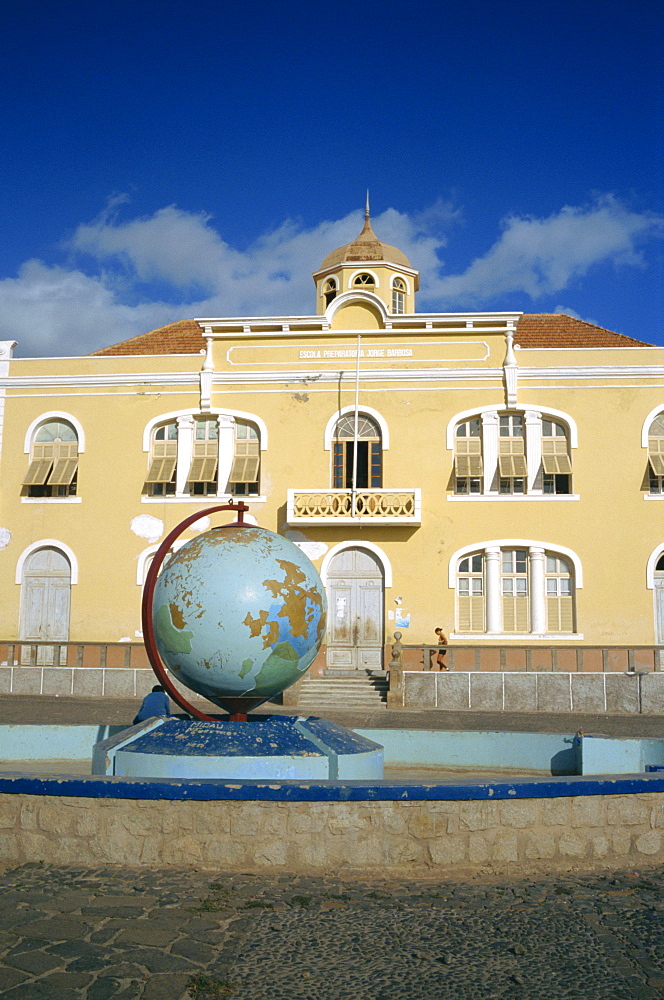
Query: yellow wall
x=611, y=528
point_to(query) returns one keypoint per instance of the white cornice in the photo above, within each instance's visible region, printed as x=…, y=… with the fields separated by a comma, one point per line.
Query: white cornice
x=593, y=371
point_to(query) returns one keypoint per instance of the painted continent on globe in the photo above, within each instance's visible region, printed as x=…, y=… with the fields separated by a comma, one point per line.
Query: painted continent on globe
x=238, y=611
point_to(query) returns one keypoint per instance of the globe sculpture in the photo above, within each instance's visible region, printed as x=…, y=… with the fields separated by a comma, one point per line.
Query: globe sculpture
x=236, y=615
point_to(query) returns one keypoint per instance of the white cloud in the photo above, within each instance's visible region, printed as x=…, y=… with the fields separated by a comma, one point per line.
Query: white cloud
x=543, y=256
x=54, y=311
x=129, y=276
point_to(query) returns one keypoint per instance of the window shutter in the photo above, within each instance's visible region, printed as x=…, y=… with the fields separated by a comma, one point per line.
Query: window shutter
x=468, y=457
x=43, y=454
x=164, y=460
x=245, y=462
x=515, y=614
x=554, y=456
x=566, y=614
x=656, y=454
x=512, y=457
x=204, y=464
x=65, y=463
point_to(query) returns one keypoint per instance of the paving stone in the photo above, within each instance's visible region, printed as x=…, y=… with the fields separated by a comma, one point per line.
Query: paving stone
x=157, y=961
x=103, y=989
x=36, y=962
x=195, y=951
x=55, y=929
x=143, y=932
x=162, y=986
x=10, y=977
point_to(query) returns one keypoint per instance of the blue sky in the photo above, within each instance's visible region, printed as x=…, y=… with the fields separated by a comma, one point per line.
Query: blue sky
x=174, y=158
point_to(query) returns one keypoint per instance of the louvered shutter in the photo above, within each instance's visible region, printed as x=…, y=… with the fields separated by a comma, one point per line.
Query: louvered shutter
x=65, y=463
x=468, y=457
x=204, y=464
x=43, y=454
x=512, y=458
x=164, y=460
x=515, y=614
x=555, y=459
x=245, y=462
x=656, y=454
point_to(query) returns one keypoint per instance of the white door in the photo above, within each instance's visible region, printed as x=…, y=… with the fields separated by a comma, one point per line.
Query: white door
x=45, y=602
x=659, y=611
x=355, y=611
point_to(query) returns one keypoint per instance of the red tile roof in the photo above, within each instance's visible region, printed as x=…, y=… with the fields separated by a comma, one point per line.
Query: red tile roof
x=183, y=337
x=535, y=330
x=538, y=330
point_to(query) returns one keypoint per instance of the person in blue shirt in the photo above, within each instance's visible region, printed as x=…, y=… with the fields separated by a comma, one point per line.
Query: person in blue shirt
x=155, y=703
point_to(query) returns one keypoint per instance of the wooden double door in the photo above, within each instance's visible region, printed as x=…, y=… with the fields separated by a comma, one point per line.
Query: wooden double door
x=355, y=594
x=45, y=603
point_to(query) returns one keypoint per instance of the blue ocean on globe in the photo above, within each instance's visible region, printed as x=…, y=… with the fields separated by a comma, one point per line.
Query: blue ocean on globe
x=239, y=611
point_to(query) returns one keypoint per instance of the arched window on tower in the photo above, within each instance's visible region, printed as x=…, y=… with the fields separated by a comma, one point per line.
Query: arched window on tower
x=398, y=296
x=369, y=471
x=364, y=280
x=330, y=290
x=53, y=461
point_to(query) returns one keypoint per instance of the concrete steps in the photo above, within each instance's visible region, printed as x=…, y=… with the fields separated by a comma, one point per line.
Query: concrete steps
x=345, y=689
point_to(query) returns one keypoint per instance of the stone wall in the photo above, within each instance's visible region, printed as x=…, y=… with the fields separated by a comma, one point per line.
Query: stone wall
x=395, y=835
x=626, y=693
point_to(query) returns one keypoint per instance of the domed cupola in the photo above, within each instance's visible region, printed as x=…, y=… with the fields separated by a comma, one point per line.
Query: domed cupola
x=368, y=265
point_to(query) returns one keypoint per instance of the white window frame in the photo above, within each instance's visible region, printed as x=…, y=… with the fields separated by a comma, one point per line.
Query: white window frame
x=492, y=553
x=490, y=435
x=185, y=451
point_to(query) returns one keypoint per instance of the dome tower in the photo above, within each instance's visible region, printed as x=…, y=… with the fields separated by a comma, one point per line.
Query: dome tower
x=367, y=268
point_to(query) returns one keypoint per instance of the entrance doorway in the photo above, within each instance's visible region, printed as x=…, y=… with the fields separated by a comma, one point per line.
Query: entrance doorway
x=355, y=592
x=45, y=602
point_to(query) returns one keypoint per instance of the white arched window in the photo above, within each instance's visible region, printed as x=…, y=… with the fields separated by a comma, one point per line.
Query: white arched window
x=398, y=296
x=330, y=290
x=203, y=455
x=364, y=280
x=368, y=466
x=511, y=453
x=53, y=468
x=515, y=589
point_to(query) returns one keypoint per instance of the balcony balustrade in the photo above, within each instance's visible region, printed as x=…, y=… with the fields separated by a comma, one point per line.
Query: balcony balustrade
x=376, y=506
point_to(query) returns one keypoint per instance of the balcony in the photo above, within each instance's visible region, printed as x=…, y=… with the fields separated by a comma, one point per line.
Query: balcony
x=365, y=506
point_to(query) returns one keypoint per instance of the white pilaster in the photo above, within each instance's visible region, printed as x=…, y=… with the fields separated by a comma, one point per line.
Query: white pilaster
x=533, y=420
x=537, y=590
x=493, y=606
x=185, y=452
x=226, y=450
x=206, y=374
x=490, y=449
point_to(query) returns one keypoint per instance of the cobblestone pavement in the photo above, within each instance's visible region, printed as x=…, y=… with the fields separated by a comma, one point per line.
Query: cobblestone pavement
x=116, y=933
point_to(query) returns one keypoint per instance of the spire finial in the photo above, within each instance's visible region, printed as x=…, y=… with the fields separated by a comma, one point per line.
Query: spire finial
x=366, y=209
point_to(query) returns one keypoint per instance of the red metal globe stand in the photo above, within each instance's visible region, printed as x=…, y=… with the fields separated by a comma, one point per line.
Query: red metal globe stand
x=237, y=707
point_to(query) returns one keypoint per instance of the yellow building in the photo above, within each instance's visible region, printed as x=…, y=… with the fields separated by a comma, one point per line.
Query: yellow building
x=497, y=474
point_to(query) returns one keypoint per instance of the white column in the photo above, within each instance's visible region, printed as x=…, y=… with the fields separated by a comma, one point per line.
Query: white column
x=533, y=420
x=185, y=452
x=490, y=449
x=493, y=605
x=226, y=451
x=537, y=591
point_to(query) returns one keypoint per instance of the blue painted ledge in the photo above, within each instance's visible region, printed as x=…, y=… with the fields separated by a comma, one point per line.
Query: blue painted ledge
x=212, y=789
